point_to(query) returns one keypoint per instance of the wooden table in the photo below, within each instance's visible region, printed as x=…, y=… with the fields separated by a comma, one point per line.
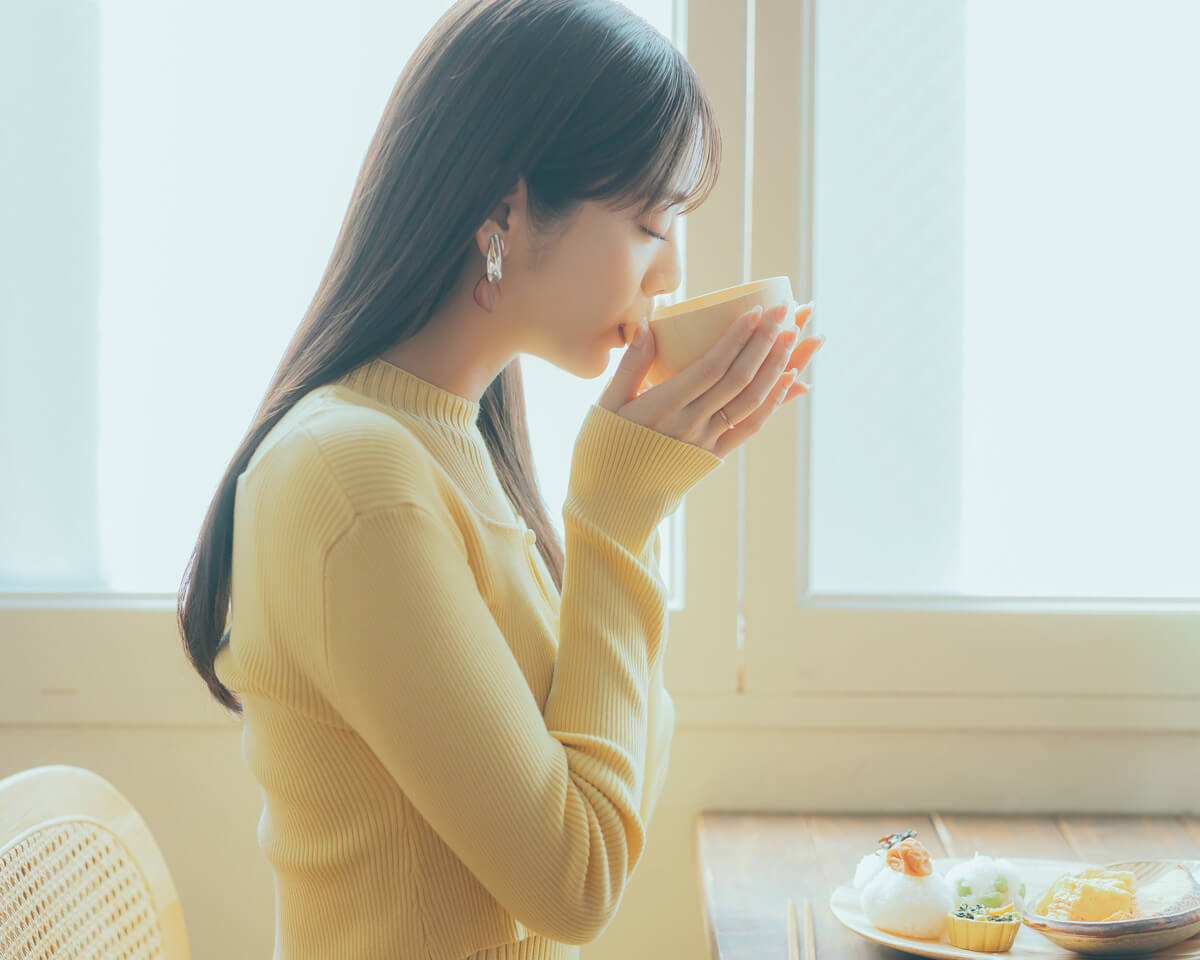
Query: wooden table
x=752, y=863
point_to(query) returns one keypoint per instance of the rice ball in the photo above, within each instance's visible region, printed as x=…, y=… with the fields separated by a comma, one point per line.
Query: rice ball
x=908, y=905
x=868, y=867
x=986, y=881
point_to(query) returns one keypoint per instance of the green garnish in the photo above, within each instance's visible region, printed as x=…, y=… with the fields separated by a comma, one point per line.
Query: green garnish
x=979, y=912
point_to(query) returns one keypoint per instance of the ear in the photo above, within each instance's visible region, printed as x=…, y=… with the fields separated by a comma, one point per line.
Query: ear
x=507, y=219
x=515, y=201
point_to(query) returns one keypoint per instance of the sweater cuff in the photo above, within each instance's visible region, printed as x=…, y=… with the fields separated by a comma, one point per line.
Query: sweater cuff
x=626, y=477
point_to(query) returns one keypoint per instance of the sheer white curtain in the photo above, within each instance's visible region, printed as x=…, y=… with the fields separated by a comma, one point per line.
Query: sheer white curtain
x=176, y=177
x=1005, y=252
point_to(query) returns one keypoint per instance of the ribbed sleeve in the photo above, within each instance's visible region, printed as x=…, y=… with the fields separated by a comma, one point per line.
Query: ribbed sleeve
x=660, y=731
x=547, y=807
x=626, y=477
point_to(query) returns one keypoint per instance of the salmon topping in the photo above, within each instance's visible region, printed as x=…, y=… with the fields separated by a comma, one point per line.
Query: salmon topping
x=910, y=857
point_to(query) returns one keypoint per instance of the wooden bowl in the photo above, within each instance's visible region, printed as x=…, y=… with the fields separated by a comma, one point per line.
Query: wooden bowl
x=1136, y=937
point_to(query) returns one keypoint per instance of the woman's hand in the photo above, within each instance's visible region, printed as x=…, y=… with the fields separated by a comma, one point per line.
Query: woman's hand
x=741, y=373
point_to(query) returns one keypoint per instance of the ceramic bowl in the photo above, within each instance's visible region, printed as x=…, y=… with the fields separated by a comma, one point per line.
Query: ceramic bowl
x=1136, y=937
x=684, y=331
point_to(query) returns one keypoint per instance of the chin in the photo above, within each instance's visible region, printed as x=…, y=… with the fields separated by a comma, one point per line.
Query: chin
x=597, y=367
x=595, y=362
x=591, y=361
x=586, y=366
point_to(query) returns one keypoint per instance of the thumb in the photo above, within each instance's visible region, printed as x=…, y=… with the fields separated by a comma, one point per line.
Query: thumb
x=631, y=371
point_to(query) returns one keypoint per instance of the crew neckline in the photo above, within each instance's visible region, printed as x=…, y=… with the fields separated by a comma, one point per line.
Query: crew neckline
x=403, y=390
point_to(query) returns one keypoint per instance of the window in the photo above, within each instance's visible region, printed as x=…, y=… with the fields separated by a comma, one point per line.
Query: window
x=999, y=460
x=171, y=207
x=136, y=364
x=181, y=212
x=1003, y=257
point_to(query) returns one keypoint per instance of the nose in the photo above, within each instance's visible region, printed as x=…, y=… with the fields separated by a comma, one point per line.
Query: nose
x=664, y=275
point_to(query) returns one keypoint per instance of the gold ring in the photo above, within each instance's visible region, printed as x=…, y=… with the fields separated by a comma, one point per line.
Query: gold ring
x=725, y=418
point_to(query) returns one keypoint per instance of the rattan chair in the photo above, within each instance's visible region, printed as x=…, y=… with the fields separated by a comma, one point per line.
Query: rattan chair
x=81, y=877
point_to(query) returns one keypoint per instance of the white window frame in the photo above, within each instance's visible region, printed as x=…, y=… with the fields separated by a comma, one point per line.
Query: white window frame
x=703, y=655
x=935, y=662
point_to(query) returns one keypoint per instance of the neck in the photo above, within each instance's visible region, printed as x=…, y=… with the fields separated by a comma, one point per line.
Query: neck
x=462, y=349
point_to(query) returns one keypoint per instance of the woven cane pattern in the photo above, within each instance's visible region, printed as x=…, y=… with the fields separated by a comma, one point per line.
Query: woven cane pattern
x=70, y=891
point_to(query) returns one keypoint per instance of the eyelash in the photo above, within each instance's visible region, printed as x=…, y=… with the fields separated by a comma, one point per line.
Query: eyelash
x=656, y=236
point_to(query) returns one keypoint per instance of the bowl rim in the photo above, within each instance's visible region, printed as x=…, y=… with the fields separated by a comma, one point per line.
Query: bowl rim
x=1119, y=928
x=714, y=297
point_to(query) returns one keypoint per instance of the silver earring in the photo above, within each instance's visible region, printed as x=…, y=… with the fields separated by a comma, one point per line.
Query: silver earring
x=495, y=252
x=487, y=290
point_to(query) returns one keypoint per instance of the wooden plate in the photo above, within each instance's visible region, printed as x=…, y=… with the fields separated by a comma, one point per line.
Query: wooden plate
x=1038, y=875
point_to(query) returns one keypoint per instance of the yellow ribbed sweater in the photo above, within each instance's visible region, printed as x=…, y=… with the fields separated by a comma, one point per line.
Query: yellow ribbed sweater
x=455, y=761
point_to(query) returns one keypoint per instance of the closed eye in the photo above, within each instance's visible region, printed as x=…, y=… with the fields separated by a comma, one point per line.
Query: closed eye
x=657, y=236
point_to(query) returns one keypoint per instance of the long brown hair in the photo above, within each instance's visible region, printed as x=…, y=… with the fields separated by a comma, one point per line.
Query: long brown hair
x=583, y=99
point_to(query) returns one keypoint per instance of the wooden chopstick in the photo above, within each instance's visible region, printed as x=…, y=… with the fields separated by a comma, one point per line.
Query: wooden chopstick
x=793, y=937
x=939, y=827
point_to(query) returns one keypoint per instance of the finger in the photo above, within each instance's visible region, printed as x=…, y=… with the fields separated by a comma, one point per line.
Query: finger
x=804, y=353
x=631, y=371
x=798, y=388
x=742, y=372
x=765, y=380
x=700, y=376
x=803, y=314
x=800, y=359
x=753, y=423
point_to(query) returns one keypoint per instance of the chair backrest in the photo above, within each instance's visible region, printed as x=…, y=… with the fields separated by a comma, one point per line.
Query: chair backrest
x=81, y=876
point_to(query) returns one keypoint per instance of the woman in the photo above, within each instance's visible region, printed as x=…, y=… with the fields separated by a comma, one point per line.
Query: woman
x=459, y=744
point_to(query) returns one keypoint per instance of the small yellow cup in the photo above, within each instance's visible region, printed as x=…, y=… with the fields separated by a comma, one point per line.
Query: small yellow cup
x=986, y=936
